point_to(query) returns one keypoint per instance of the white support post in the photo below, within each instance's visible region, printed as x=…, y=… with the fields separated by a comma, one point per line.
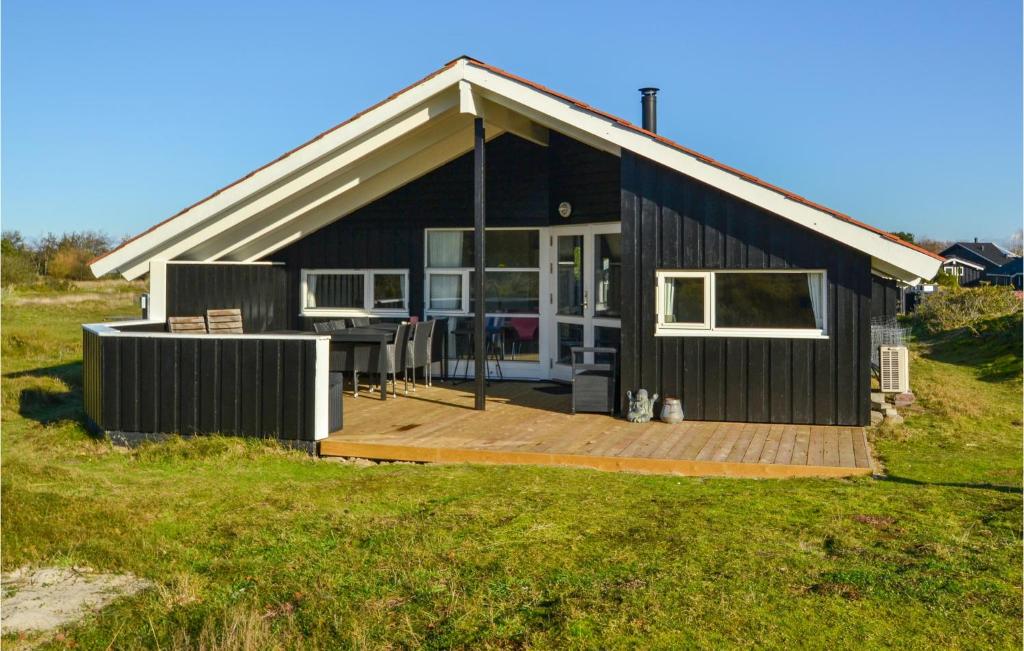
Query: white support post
x=157, y=290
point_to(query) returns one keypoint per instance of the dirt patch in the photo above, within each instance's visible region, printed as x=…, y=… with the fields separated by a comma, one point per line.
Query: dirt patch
x=59, y=299
x=45, y=598
x=876, y=521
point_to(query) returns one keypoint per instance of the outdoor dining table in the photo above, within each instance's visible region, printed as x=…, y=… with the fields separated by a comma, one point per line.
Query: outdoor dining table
x=366, y=340
x=371, y=341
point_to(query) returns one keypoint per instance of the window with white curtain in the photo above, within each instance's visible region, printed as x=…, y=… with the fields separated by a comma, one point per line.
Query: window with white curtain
x=512, y=276
x=769, y=303
x=355, y=292
x=512, y=286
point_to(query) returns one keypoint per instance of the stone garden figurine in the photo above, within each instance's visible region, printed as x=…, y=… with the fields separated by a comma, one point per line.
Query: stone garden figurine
x=641, y=408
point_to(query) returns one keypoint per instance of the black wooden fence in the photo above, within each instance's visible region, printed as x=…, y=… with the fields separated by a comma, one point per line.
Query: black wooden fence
x=250, y=385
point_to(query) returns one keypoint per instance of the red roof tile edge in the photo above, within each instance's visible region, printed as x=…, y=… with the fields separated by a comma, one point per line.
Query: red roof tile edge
x=581, y=105
x=705, y=159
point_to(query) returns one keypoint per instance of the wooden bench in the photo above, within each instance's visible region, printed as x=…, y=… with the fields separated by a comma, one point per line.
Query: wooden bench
x=186, y=324
x=224, y=322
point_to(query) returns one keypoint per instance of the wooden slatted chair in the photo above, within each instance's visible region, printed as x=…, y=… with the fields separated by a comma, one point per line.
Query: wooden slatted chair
x=224, y=322
x=194, y=325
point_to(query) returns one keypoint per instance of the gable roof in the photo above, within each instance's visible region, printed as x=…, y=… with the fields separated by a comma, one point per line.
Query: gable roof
x=1014, y=267
x=988, y=251
x=967, y=263
x=421, y=128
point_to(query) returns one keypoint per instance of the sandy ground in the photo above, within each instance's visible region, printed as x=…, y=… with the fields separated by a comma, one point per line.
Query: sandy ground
x=58, y=299
x=41, y=599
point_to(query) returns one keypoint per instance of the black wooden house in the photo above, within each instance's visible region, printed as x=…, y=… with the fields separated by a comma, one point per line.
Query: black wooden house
x=747, y=301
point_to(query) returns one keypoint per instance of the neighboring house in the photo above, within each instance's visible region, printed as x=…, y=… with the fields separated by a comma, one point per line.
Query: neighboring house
x=967, y=273
x=1008, y=274
x=749, y=302
x=985, y=256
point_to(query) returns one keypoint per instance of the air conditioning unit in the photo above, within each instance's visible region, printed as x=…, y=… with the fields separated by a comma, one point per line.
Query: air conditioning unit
x=894, y=365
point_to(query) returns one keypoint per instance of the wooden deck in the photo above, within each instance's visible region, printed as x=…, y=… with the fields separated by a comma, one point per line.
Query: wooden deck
x=530, y=423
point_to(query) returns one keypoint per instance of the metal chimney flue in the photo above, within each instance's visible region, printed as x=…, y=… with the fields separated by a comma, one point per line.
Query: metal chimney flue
x=649, y=106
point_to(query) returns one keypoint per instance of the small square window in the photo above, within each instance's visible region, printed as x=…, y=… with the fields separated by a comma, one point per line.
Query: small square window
x=683, y=300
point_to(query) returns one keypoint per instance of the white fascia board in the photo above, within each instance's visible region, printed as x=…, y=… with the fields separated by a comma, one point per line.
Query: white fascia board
x=884, y=268
x=966, y=263
x=469, y=101
x=572, y=118
x=340, y=162
x=228, y=241
x=306, y=155
x=402, y=173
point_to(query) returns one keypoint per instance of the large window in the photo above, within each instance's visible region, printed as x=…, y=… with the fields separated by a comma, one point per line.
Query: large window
x=742, y=303
x=512, y=288
x=355, y=292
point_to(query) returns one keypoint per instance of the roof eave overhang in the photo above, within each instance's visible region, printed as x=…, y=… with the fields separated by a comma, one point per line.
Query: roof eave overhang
x=479, y=90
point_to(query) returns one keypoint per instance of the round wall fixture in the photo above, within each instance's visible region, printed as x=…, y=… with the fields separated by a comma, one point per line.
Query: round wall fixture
x=565, y=209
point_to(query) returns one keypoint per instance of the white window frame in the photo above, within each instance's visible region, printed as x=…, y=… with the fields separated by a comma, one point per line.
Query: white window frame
x=520, y=369
x=708, y=327
x=367, y=309
x=447, y=271
x=666, y=328
x=466, y=272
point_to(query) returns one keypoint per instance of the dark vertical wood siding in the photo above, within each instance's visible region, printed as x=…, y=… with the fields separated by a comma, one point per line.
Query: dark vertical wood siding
x=671, y=221
x=92, y=371
x=201, y=385
x=886, y=297
x=259, y=290
x=525, y=183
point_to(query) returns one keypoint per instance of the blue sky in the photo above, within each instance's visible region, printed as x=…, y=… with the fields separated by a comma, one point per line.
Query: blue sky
x=905, y=115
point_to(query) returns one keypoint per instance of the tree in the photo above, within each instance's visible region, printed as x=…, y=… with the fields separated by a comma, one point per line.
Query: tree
x=1016, y=243
x=67, y=256
x=905, y=236
x=17, y=262
x=933, y=245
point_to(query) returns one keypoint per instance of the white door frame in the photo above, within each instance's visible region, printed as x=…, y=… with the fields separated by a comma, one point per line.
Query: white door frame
x=549, y=316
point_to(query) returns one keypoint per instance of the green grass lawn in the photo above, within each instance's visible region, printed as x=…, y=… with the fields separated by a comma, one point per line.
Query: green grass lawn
x=253, y=546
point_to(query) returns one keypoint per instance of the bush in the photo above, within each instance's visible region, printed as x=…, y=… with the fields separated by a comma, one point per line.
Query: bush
x=70, y=262
x=17, y=266
x=953, y=308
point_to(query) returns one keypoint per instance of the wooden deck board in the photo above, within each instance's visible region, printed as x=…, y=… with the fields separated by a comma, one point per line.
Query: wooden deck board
x=524, y=425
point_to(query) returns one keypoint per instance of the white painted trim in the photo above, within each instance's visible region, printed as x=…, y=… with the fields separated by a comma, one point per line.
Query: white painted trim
x=367, y=309
x=469, y=102
x=571, y=120
x=664, y=328
x=320, y=186
x=709, y=328
x=157, y=290
x=510, y=370
x=261, y=263
x=342, y=204
x=743, y=333
x=308, y=154
x=526, y=109
x=588, y=320
x=953, y=259
x=111, y=330
x=321, y=389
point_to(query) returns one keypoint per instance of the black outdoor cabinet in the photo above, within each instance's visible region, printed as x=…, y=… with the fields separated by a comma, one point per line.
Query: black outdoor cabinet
x=593, y=384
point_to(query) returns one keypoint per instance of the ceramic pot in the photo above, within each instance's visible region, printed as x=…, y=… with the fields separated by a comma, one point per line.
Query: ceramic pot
x=671, y=411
